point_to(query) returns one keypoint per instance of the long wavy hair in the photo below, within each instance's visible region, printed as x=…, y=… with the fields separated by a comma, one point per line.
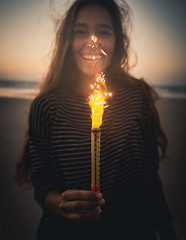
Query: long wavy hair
x=60, y=76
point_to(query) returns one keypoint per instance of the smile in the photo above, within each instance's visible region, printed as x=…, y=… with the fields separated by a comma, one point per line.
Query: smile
x=91, y=57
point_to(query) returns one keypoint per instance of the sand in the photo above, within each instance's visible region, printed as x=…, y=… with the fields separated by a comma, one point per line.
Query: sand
x=20, y=213
x=172, y=171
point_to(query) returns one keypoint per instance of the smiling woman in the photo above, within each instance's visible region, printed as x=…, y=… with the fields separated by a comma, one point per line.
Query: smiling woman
x=93, y=21
x=56, y=155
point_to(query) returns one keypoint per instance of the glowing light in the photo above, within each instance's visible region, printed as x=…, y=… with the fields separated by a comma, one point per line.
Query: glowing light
x=97, y=100
x=104, y=53
x=94, y=38
x=97, y=108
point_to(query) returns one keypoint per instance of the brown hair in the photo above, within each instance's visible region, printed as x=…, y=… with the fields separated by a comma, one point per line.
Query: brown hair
x=60, y=76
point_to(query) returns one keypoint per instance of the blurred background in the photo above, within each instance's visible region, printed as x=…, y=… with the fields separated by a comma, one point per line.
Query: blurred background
x=27, y=32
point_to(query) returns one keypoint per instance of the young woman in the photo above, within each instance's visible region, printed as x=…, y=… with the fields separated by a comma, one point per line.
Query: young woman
x=56, y=156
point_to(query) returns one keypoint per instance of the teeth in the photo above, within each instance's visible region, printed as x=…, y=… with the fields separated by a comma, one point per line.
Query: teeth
x=91, y=57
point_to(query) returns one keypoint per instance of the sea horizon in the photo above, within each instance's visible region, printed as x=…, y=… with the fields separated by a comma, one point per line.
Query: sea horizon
x=28, y=89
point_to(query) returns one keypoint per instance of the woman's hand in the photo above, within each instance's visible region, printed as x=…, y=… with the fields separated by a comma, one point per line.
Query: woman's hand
x=81, y=207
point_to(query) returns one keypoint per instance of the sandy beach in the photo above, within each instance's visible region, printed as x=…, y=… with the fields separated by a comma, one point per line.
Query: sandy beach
x=20, y=213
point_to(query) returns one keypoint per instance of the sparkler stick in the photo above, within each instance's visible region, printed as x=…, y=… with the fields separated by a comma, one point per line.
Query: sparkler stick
x=95, y=159
x=96, y=102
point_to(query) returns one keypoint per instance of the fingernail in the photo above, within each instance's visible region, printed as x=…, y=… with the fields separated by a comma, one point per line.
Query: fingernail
x=98, y=209
x=99, y=195
x=101, y=201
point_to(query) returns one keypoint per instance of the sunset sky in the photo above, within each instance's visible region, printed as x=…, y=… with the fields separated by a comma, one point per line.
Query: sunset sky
x=158, y=38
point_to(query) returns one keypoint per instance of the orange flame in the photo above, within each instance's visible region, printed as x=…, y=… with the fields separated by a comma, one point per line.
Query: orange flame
x=97, y=100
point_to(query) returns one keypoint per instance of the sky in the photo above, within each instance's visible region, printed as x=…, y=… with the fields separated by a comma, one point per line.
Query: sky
x=158, y=38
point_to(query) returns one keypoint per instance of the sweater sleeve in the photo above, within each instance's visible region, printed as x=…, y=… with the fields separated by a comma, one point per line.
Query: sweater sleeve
x=39, y=143
x=154, y=202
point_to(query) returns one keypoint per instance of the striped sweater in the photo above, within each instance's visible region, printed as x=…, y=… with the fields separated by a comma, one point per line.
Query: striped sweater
x=60, y=153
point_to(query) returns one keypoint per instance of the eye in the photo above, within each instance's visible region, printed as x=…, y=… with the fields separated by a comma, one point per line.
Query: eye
x=104, y=33
x=79, y=32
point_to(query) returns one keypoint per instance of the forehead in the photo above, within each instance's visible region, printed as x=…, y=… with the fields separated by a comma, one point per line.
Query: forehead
x=93, y=14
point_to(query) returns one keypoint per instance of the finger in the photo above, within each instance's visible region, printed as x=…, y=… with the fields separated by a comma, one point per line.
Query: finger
x=75, y=206
x=84, y=218
x=72, y=195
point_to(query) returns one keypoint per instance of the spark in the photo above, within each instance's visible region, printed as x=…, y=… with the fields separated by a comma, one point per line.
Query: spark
x=94, y=38
x=97, y=100
x=104, y=53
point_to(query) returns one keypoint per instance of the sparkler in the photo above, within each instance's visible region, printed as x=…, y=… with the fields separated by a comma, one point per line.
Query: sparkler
x=97, y=102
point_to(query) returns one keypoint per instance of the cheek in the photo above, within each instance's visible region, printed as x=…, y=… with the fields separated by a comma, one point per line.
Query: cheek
x=109, y=48
x=74, y=47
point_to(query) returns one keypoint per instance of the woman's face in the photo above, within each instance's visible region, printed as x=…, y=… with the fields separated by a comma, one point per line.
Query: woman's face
x=93, y=40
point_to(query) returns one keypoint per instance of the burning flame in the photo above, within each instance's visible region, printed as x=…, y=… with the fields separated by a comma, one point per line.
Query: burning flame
x=97, y=100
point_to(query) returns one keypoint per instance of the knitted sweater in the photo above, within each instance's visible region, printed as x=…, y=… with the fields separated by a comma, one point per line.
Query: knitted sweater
x=60, y=159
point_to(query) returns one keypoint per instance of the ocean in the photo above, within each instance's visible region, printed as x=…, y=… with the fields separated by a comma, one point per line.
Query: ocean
x=29, y=89
x=19, y=88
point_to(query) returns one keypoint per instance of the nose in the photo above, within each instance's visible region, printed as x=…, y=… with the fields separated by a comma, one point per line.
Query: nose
x=94, y=45
x=92, y=42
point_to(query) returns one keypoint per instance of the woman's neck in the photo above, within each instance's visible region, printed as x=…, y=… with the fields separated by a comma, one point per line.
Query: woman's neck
x=83, y=87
